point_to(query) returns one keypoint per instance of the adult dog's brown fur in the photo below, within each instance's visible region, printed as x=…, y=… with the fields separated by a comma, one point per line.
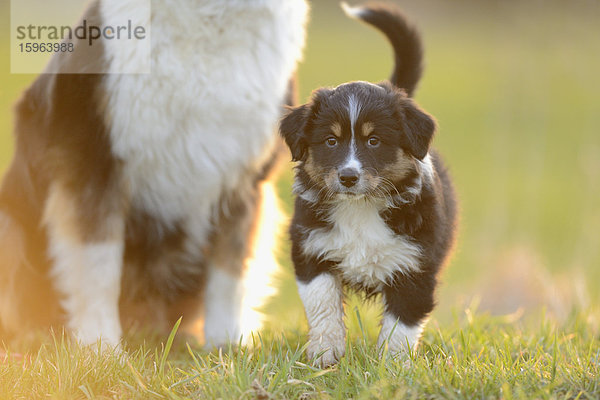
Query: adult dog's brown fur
x=135, y=199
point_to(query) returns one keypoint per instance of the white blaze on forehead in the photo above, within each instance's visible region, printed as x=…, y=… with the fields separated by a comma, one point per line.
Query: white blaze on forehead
x=354, y=108
x=352, y=161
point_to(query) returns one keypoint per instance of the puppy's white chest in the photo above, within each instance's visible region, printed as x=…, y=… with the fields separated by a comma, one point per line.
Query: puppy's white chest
x=365, y=249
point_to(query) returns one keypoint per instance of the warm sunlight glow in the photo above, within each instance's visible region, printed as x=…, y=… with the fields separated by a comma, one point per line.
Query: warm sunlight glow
x=261, y=265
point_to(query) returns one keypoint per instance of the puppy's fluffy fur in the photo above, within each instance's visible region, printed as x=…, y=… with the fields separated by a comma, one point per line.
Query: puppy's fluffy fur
x=375, y=207
x=135, y=198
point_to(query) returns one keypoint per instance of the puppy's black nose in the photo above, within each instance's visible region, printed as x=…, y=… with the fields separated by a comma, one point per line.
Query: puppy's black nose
x=348, y=177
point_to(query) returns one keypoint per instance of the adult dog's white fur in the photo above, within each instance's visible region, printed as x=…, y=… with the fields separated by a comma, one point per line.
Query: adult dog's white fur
x=184, y=139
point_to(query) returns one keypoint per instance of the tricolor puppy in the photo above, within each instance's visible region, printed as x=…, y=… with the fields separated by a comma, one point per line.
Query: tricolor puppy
x=375, y=209
x=136, y=198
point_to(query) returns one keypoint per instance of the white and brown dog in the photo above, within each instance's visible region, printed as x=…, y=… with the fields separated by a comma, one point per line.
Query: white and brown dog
x=136, y=198
x=375, y=209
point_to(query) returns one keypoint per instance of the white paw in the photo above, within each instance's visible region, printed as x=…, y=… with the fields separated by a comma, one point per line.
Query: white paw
x=90, y=330
x=222, y=344
x=398, y=338
x=326, y=351
x=393, y=351
x=108, y=342
x=222, y=335
x=397, y=344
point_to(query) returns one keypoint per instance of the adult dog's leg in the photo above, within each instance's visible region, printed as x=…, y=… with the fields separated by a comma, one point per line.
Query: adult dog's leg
x=230, y=246
x=85, y=228
x=241, y=265
x=27, y=300
x=11, y=262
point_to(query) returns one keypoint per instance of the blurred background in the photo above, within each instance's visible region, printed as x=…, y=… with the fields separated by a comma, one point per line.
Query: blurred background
x=515, y=87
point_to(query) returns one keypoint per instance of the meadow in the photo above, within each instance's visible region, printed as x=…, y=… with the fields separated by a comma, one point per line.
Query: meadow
x=515, y=88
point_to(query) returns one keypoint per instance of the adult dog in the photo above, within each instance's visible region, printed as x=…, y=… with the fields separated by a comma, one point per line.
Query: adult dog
x=136, y=198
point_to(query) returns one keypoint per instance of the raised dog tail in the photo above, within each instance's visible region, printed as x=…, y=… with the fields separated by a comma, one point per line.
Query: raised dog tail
x=405, y=40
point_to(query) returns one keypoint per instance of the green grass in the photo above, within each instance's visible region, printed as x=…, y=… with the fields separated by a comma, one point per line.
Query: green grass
x=514, y=87
x=472, y=357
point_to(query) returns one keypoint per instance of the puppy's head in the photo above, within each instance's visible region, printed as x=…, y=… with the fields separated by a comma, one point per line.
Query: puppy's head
x=357, y=139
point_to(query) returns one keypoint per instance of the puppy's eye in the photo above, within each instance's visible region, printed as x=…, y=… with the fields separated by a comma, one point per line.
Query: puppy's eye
x=373, y=141
x=331, y=142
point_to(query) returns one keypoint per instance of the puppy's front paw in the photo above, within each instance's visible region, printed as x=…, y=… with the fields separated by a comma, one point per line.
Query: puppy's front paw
x=400, y=339
x=326, y=351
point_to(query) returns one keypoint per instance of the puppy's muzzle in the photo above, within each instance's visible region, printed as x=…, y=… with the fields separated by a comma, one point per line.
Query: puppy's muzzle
x=348, y=177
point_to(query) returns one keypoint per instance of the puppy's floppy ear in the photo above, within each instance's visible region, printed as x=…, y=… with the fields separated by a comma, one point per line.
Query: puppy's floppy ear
x=292, y=129
x=418, y=127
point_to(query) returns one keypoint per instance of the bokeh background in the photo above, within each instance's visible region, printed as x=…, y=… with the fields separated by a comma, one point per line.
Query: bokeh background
x=515, y=87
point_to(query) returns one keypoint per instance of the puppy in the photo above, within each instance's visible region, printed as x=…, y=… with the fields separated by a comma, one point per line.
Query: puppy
x=133, y=198
x=375, y=208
